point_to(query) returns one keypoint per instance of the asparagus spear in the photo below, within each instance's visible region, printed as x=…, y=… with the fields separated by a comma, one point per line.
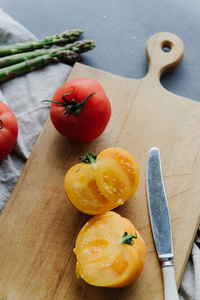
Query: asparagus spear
x=58, y=39
x=66, y=56
x=27, y=66
x=77, y=47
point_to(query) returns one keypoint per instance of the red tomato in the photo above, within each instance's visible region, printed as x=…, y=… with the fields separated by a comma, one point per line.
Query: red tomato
x=8, y=130
x=80, y=109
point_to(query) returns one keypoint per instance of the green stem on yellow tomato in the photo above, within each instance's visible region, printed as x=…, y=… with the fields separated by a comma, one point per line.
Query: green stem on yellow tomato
x=89, y=158
x=128, y=238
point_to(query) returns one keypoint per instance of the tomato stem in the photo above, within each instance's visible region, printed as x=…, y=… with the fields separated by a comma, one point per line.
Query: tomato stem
x=128, y=238
x=72, y=106
x=89, y=158
x=1, y=124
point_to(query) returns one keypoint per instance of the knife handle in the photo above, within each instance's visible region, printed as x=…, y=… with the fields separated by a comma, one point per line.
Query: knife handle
x=170, y=288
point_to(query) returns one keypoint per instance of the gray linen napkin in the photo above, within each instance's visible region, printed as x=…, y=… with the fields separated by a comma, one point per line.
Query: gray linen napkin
x=23, y=95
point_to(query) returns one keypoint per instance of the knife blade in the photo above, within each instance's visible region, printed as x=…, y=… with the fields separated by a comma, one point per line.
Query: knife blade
x=160, y=221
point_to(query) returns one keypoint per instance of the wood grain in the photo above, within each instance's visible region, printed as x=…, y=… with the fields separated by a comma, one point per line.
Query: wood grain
x=38, y=226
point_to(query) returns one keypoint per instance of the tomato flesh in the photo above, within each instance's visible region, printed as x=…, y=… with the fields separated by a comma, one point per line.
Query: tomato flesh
x=102, y=259
x=107, y=183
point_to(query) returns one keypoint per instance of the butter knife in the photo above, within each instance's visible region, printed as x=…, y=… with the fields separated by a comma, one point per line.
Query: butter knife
x=160, y=222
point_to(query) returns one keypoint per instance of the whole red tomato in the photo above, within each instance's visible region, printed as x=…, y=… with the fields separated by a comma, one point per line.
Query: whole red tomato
x=80, y=109
x=8, y=130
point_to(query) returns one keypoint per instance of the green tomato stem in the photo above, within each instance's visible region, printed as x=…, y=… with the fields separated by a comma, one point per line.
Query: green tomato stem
x=89, y=158
x=72, y=106
x=128, y=238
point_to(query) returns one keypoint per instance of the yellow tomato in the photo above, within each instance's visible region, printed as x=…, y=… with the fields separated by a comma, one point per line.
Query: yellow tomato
x=101, y=183
x=110, y=252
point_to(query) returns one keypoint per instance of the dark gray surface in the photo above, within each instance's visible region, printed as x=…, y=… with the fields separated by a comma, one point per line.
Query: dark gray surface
x=121, y=29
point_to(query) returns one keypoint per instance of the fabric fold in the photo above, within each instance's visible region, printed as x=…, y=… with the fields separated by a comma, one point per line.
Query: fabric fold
x=24, y=95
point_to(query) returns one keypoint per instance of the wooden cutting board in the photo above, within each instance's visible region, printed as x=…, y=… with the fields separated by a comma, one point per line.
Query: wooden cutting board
x=39, y=226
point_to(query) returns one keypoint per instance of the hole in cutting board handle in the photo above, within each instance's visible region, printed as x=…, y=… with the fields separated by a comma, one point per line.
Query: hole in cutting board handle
x=166, y=46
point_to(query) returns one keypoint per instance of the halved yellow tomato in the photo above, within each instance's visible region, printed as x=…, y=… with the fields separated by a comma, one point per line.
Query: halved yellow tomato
x=101, y=183
x=110, y=252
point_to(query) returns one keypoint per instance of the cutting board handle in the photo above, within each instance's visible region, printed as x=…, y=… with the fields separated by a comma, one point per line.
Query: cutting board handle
x=164, y=51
